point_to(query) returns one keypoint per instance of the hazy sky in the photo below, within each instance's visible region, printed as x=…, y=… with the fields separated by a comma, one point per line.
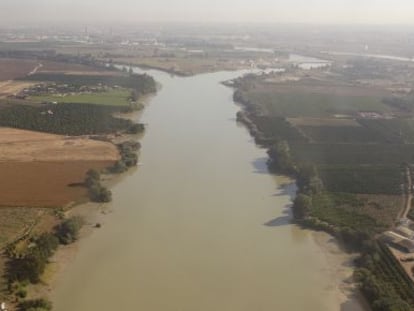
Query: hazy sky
x=276, y=11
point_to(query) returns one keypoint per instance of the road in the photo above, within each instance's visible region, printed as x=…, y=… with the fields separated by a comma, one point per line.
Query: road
x=408, y=195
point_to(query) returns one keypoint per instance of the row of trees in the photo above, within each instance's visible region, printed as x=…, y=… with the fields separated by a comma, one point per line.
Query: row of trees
x=40, y=304
x=30, y=265
x=67, y=119
x=129, y=156
x=97, y=192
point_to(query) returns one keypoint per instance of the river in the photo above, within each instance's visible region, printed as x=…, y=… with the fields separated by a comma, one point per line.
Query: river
x=201, y=224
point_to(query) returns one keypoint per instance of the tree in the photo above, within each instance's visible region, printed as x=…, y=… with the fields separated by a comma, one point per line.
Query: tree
x=280, y=158
x=68, y=231
x=301, y=206
x=100, y=194
x=46, y=244
x=134, y=95
x=391, y=304
x=40, y=304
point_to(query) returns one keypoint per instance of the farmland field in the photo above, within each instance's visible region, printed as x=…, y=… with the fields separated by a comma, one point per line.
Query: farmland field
x=118, y=97
x=44, y=184
x=15, y=68
x=37, y=169
x=308, y=104
x=394, y=130
x=360, y=179
x=342, y=134
x=352, y=154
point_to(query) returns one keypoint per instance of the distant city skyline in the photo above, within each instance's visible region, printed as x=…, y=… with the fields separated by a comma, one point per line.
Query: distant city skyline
x=258, y=11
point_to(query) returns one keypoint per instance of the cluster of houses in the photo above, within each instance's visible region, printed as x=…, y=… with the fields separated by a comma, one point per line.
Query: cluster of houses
x=60, y=90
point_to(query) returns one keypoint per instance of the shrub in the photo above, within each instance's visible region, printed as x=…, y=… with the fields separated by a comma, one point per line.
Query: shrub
x=68, y=231
x=40, y=304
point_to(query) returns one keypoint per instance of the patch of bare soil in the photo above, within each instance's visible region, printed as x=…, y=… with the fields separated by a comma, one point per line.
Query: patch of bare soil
x=11, y=68
x=44, y=184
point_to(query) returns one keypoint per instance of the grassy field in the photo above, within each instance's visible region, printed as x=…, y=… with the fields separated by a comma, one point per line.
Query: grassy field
x=344, y=210
x=374, y=213
x=119, y=97
x=13, y=221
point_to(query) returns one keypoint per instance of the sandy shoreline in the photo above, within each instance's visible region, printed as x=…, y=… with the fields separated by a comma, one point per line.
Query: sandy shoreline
x=340, y=265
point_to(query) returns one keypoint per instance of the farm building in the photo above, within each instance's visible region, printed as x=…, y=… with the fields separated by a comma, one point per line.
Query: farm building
x=398, y=241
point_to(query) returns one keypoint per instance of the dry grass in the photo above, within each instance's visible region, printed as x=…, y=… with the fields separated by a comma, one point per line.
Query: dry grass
x=8, y=88
x=50, y=66
x=383, y=208
x=182, y=65
x=14, y=221
x=21, y=145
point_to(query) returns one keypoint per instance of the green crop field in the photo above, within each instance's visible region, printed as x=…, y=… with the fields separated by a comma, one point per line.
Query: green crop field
x=342, y=134
x=393, y=130
x=298, y=104
x=118, y=97
x=352, y=154
x=360, y=179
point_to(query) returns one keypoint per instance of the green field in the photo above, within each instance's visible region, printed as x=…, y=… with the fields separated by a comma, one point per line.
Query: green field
x=118, y=97
x=304, y=104
x=341, y=210
x=352, y=154
x=362, y=179
x=342, y=134
x=393, y=130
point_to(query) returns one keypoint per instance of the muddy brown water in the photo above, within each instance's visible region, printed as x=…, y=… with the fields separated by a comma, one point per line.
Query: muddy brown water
x=201, y=224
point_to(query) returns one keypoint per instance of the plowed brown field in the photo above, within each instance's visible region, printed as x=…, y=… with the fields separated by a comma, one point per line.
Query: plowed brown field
x=44, y=184
x=39, y=170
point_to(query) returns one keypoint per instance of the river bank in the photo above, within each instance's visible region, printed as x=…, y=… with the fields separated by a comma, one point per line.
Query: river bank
x=88, y=211
x=159, y=241
x=332, y=245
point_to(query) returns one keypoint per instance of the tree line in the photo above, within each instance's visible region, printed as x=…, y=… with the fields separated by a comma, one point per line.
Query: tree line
x=68, y=119
x=28, y=266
